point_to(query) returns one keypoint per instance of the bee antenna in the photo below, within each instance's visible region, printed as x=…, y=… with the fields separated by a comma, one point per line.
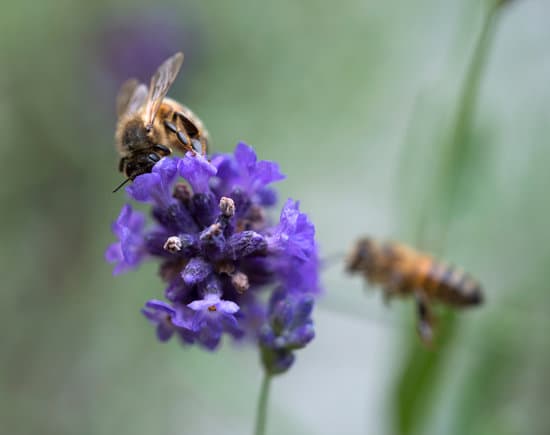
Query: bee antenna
x=121, y=184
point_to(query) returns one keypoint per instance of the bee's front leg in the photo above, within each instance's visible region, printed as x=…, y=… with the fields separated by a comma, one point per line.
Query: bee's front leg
x=198, y=144
x=182, y=137
x=190, y=128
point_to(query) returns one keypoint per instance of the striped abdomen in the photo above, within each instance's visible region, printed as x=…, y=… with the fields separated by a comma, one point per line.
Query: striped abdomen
x=450, y=285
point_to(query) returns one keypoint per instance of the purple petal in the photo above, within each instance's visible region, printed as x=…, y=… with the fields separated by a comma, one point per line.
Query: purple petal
x=183, y=317
x=294, y=241
x=120, y=268
x=266, y=197
x=196, y=271
x=211, y=286
x=167, y=168
x=267, y=172
x=130, y=249
x=128, y=219
x=226, y=168
x=210, y=337
x=255, y=175
x=205, y=207
x=277, y=361
x=197, y=171
x=282, y=315
x=187, y=336
x=175, y=217
x=289, y=327
x=296, y=230
x=156, y=305
x=142, y=187
x=245, y=243
x=227, y=307
x=245, y=155
x=113, y=254
x=266, y=336
x=304, y=307
x=284, y=361
x=165, y=331
x=160, y=314
x=177, y=290
x=122, y=219
x=231, y=325
x=301, y=336
x=155, y=186
x=244, y=172
x=200, y=305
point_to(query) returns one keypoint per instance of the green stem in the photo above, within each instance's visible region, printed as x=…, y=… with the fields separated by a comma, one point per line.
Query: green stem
x=458, y=151
x=261, y=413
x=417, y=387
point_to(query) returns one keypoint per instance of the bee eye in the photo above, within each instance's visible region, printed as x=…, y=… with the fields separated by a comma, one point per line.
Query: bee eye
x=130, y=168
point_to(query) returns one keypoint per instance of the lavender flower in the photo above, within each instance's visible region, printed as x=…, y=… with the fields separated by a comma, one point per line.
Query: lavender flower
x=295, y=236
x=168, y=321
x=128, y=252
x=289, y=327
x=219, y=251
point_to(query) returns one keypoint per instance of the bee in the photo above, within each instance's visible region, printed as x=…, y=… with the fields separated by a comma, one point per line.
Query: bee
x=403, y=271
x=150, y=125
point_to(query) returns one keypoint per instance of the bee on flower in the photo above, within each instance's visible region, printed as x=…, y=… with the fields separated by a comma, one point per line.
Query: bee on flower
x=220, y=253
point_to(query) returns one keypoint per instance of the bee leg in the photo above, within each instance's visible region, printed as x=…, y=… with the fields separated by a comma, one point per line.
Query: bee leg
x=393, y=288
x=183, y=138
x=204, y=146
x=190, y=128
x=425, y=319
x=198, y=143
x=163, y=150
x=198, y=146
x=388, y=294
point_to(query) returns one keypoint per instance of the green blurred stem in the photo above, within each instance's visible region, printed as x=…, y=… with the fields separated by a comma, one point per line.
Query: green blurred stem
x=454, y=160
x=261, y=413
x=417, y=386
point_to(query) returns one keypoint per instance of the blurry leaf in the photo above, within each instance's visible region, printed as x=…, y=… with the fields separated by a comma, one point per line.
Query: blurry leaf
x=413, y=181
x=421, y=375
x=503, y=391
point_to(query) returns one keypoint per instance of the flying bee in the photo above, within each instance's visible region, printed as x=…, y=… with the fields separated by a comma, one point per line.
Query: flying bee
x=403, y=271
x=151, y=125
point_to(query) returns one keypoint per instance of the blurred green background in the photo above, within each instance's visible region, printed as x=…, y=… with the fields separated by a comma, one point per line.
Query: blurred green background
x=355, y=99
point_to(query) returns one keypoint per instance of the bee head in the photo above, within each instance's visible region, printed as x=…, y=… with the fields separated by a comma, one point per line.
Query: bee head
x=473, y=294
x=135, y=135
x=361, y=255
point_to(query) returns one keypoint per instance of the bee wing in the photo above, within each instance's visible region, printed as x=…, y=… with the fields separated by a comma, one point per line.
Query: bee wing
x=160, y=83
x=131, y=96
